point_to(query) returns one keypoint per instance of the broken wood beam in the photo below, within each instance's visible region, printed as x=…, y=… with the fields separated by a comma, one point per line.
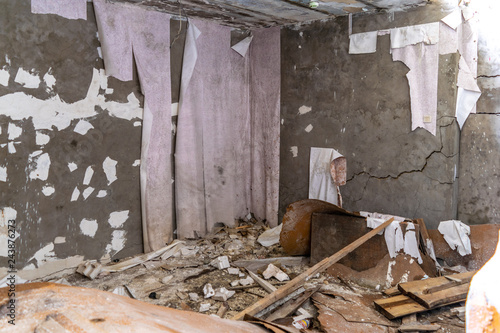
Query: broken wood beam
x=291, y=306
x=302, y=278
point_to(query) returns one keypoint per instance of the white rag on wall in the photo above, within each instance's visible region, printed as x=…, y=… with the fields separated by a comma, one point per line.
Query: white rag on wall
x=456, y=234
x=322, y=185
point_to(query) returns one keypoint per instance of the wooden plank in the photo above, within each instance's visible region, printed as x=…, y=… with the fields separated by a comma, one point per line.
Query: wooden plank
x=393, y=291
x=447, y=296
x=419, y=328
x=302, y=278
x=398, y=306
x=419, y=287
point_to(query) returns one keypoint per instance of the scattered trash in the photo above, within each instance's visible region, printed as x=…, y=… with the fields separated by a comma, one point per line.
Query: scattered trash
x=208, y=291
x=154, y=295
x=273, y=271
x=270, y=237
x=220, y=262
x=222, y=294
x=204, y=307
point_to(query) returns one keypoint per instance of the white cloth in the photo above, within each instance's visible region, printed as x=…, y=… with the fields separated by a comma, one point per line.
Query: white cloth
x=365, y=42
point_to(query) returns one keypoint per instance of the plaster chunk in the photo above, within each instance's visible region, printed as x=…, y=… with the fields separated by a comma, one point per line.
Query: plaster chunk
x=208, y=291
x=273, y=271
x=246, y=282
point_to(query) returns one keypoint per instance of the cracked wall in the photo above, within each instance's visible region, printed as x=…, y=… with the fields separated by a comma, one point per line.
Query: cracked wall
x=479, y=188
x=360, y=106
x=69, y=144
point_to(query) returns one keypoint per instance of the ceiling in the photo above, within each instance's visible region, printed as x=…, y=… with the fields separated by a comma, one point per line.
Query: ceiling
x=248, y=14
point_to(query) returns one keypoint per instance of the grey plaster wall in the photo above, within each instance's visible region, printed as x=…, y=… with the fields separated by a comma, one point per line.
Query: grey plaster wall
x=49, y=224
x=361, y=107
x=479, y=194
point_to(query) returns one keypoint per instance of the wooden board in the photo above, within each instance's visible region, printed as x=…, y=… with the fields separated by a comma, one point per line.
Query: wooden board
x=447, y=296
x=433, y=285
x=398, y=306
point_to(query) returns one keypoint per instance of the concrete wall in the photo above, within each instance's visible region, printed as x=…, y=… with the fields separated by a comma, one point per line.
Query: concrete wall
x=479, y=194
x=61, y=118
x=360, y=106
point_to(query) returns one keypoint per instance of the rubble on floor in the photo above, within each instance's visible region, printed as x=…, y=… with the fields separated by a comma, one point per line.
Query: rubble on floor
x=350, y=284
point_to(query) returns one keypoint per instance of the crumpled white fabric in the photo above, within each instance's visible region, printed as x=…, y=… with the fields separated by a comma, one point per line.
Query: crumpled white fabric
x=456, y=234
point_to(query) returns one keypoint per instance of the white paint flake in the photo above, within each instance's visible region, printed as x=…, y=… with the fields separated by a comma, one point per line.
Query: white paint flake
x=49, y=80
x=44, y=255
x=88, y=227
x=60, y=240
x=82, y=127
x=294, y=150
x=4, y=77
x=117, y=241
x=102, y=193
x=109, y=166
x=6, y=214
x=116, y=219
x=88, y=175
x=304, y=109
x=72, y=166
x=42, y=139
x=175, y=109
x=55, y=112
x=42, y=166
x=3, y=174
x=75, y=194
x=309, y=128
x=87, y=192
x=137, y=163
x=48, y=190
x=11, y=147
x=26, y=79
x=137, y=123
x=14, y=131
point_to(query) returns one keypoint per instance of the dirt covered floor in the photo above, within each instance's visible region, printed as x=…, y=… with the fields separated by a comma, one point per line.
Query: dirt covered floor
x=178, y=282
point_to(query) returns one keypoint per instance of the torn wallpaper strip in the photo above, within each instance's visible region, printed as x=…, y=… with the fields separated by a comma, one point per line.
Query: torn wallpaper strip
x=448, y=39
x=70, y=9
x=365, y=42
x=456, y=234
x=423, y=61
x=227, y=154
x=411, y=35
x=242, y=46
x=321, y=184
x=123, y=28
x=454, y=19
x=468, y=91
x=114, y=35
x=395, y=240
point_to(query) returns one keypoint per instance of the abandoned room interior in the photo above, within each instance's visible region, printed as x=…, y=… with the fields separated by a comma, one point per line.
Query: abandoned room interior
x=249, y=166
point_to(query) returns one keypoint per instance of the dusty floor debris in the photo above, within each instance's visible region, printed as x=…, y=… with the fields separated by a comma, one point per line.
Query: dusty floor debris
x=215, y=278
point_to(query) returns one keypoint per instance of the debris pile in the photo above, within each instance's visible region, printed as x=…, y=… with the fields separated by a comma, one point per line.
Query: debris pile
x=350, y=272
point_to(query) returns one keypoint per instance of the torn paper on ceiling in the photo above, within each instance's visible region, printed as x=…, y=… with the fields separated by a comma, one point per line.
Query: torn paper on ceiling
x=423, y=62
x=70, y=9
x=411, y=35
x=321, y=184
x=242, y=46
x=456, y=234
x=365, y=42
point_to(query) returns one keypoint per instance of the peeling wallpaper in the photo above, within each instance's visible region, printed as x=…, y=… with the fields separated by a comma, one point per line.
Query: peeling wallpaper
x=69, y=144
